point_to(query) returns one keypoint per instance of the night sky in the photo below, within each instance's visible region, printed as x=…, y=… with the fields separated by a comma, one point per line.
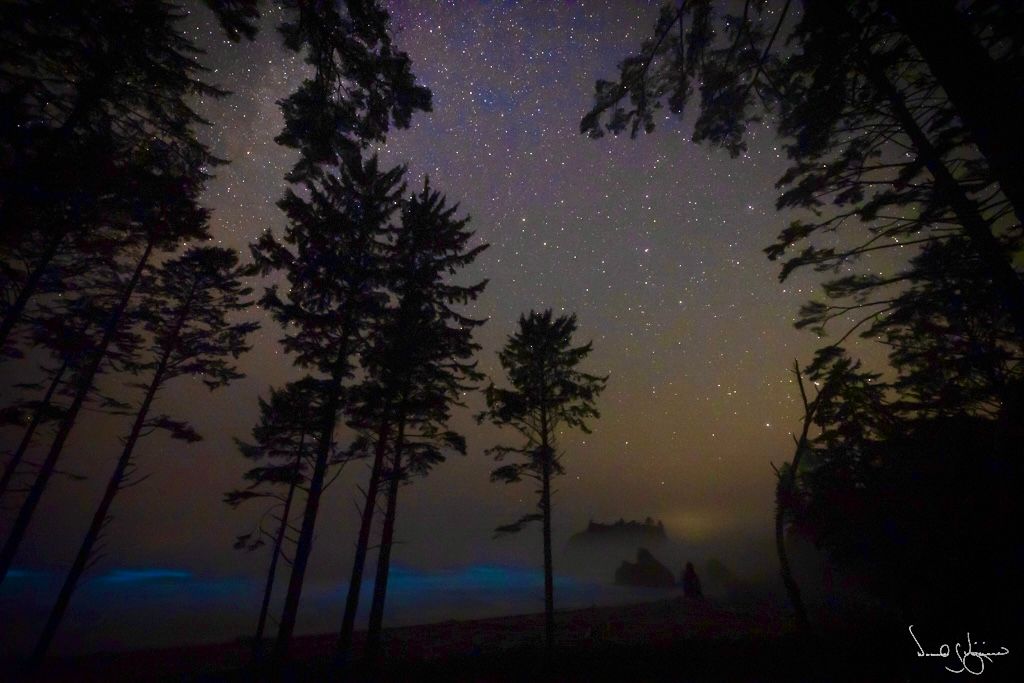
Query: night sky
x=654, y=243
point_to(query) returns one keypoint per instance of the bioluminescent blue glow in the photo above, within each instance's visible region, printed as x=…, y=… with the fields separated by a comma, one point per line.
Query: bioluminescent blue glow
x=140, y=575
x=21, y=574
x=195, y=607
x=465, y=578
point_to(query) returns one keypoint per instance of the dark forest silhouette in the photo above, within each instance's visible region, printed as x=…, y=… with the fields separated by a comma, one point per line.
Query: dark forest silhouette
x=899, y=119
x=332, y=251
x=132, y=173
x=184, y=309
x=890, y=111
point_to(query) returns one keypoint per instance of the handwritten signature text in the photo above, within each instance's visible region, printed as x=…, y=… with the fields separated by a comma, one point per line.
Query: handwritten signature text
x=971, y=661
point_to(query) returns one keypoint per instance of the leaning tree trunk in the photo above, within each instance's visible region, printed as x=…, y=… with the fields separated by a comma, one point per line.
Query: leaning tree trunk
x=1008, y=283
x=100, y=518
x=981, y=90
x=380, y=584
x=268, y=589
x=85, y=383
x=344, y=646
x=304, y=546
x=37, y=418
x=783, y=495
x=1010, y=287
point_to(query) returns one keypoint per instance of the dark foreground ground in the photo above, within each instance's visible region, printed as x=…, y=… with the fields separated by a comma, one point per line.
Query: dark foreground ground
x=670, y=640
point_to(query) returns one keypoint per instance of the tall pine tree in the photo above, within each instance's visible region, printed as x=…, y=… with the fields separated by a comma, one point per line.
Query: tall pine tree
x=332, y=258
x=360, y=86
x=419, y=362
x=282, y=442
x=547, y=392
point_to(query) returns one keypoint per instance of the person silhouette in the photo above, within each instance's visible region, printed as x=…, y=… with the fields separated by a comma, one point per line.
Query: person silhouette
x=691, y=584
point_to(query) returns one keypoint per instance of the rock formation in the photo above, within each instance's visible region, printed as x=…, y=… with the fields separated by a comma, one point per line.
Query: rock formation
x=648, y=532
x=646, y=572
x=597, y=551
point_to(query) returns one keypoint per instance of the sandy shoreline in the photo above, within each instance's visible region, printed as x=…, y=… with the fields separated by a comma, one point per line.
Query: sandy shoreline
x=647, y=624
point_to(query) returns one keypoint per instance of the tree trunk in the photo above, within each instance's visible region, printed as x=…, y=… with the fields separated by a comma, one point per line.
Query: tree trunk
x=984, y=95
x=344, y=646
x=380, y=584
x=549, y=578
x=304, y=547
x=100, y=518
x=1009, y=286
x=268, y=590
x=545, y=506
x=68, y=422
x=784, y=492
x=13, y=314
x=784, y=488
x=26, y=439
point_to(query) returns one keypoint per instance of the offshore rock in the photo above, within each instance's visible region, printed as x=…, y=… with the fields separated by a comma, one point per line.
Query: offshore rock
x=646, y=572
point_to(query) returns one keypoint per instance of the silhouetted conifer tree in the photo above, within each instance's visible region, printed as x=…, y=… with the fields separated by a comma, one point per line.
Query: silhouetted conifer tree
x=38, y=413
x=65, y=328
x=186, y=306
x=165, y=214
x=955, y=348
x=547, y=393
x=78, y=99
x=333, y=262
x=418, y=362
x=100, y=134
x=283, y=440
x=360, y=87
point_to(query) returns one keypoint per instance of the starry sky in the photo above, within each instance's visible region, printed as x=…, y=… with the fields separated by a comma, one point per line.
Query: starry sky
x=655, y=244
